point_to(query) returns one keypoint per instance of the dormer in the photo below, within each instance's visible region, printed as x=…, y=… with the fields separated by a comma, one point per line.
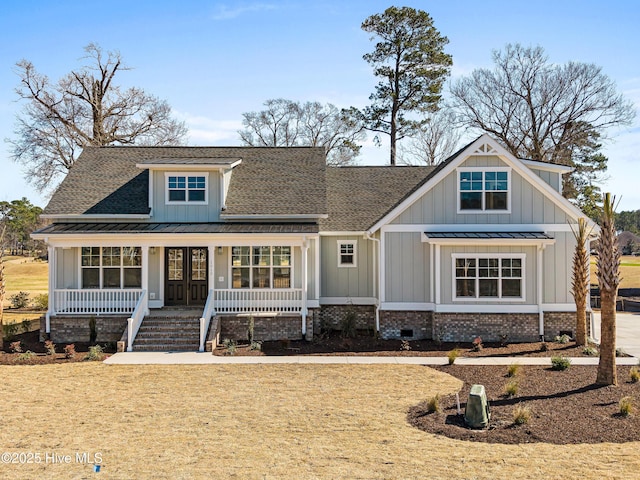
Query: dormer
x=188, y=189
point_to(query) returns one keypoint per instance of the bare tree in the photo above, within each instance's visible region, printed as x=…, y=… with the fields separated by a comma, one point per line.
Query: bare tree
x=84, y=108
x=580, y=278
x=434, y=142
x=608, y=272
x=410, y=61
x=543, y=111
x=286, y=123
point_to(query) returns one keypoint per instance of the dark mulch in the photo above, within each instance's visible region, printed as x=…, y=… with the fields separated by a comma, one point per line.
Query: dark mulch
x=30, y=342
x=364, y=344
x=566, y=407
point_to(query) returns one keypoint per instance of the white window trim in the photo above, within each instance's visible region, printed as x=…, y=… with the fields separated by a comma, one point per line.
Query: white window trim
x=477, y=298
x=484, y=169
x=186, y=175
x=101, y=267
x=354, y=243
x=251, y=267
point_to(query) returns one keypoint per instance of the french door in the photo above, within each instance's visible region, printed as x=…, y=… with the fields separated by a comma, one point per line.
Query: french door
x=186, y=275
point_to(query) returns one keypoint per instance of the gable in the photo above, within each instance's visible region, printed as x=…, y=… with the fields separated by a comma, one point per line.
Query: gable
x=436, y=200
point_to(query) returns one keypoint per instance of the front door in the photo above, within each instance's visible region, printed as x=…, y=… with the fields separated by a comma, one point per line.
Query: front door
x=186, y=274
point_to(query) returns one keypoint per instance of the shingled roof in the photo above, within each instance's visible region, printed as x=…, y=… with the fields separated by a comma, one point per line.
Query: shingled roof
x=359, y=196
x=271, y=181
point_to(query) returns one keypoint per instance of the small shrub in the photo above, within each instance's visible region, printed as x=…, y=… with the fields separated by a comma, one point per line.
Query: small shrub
x=563, y=339
x=348, y=324
x=452, y=355
x=50, y=347
x=511, y=388
x=10, y=330
x=70, y=351
x=513, y=370
x=231, y=346
x=19, y=300
x=433, y=404
x=504, y=337
x=560, y=363
x=626, y=406
x=521, y=415
x=620, y=352
x=477, y=344
x=544, y=347
x=95, y=353
x=93, y=331
x=405, y=346
x=634, y=375
x=41, y=302
x=590, y=351
x=25, y=326
x=16, y=347
x=26, y=356
x=256, y=346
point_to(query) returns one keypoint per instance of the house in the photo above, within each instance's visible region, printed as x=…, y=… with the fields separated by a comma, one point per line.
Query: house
x=224, y=236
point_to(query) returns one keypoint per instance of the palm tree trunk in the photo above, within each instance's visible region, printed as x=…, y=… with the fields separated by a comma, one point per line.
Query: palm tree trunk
x=607, y=374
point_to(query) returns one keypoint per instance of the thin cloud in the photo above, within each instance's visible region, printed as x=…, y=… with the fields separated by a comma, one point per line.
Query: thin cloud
x=225, y=12
x=206, y=131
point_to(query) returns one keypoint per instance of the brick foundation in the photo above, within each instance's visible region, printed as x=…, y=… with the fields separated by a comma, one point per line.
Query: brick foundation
x=556, y=322
x=277, y=327
x=394, y=323
x=331, y=317
x=75, y=328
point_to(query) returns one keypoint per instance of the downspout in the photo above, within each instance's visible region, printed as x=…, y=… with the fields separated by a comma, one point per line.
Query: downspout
x=376, y=255
x=540, y=296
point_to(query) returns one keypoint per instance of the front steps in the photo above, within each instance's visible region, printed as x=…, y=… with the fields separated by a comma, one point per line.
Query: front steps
x=169, y=331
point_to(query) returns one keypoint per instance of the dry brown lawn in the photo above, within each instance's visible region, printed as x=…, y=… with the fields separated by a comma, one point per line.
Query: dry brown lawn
x=629, y=271
x=262, y=422
x=24, y=274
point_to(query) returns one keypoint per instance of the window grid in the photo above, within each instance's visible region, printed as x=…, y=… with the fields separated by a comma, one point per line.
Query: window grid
x=111, y=267
x=186, y=188
x=261, y=267
x=346, y=253
x=488, y=277
x=484, y=190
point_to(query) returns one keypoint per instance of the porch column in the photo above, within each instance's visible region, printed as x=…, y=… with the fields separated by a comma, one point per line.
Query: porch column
x=51, y=255
x=305, y=280
x=540, y=287
x=145, y=276
x=213, y=250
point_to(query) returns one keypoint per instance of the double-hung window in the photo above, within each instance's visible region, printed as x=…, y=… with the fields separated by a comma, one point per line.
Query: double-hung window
x=261, y=267
x=111, y=267
x=489, y=277
x=483, y=190
x=347, y=253
x=186, y=188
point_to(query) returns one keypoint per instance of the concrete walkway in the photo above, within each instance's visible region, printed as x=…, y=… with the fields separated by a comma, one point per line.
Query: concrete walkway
x=194, y=358
x=628, y=338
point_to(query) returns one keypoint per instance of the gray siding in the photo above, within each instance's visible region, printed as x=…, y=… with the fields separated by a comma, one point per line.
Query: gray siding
x=187, y=212
x=553, y=179
x=556, y=263
x=439, y=205
x=346, y=281
x=155, y=274
x=407, y=264
x=67, y=274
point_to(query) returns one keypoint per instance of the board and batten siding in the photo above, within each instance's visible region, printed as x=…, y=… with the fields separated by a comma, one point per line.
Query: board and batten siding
x=407, y=269
x=557, y=261
x=439, y=205
x=551, y=178
x=346, y=282
x=188, y=212
x=68, y=268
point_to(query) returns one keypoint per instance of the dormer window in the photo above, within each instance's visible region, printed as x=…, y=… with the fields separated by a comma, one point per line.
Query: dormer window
x=186, y=188
x=484, y=190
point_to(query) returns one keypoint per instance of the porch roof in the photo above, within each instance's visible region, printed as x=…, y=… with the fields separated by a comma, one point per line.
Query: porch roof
x=490, y=235
x=177, y=228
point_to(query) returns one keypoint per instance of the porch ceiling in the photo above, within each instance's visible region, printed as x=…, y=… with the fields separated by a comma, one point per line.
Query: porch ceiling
x=164, y=228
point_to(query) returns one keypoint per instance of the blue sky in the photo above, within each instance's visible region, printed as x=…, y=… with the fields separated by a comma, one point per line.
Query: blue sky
x=213, y=60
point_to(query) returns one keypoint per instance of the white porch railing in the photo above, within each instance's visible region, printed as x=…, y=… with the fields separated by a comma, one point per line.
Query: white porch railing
x=205, y=320
x=95, y=301
x=254, y=301
x=135, y=320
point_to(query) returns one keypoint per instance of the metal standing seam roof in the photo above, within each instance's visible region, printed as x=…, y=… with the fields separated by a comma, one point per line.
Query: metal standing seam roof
x=491, y=235
x=163, y=228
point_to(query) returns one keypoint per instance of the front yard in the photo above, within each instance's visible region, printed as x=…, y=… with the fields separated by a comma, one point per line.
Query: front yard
x=261, y=421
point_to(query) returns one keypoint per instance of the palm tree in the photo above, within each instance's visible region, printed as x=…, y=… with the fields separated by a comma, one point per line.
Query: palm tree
x=580, y=280
x=608, y=265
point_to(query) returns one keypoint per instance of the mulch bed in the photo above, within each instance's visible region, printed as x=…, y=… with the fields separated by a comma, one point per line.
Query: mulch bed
x=30, y=342
x=566, y=407
x=333, y=343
